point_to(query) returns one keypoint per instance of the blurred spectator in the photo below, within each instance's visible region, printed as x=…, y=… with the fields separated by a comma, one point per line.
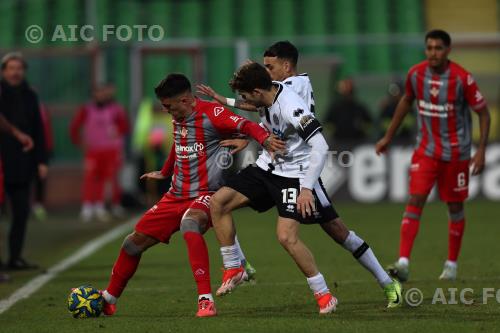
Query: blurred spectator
x=387, y=109
x=41, y=183
x=152, y=139
x=99, y=128
x=19, y=104
x=349, y=118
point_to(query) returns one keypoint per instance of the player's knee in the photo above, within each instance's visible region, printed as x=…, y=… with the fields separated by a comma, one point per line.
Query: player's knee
x=190, y=225
x=418, y=200
x=287, y=239
x=218, y=204
x=131, y=247
x=455, y=207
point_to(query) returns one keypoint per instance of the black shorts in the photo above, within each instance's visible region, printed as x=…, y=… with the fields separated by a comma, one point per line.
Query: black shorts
x=266, y=190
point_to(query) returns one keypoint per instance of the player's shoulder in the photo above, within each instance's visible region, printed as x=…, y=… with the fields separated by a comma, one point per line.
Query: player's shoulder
x=418, y=67
x=460, y=71
x=211, y=109
x=289, y=100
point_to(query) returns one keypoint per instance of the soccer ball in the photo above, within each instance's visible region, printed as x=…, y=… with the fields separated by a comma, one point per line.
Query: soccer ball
x=85, y=302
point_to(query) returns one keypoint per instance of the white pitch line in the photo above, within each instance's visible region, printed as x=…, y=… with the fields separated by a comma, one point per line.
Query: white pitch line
x=92, y=246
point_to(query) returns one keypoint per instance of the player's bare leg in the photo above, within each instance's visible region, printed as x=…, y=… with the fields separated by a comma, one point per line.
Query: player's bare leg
x=338, y=231
x=124, y=268
x=193, y=225
x=287, y=231
x=223, y=202
x=409, y=230
x=456, y=224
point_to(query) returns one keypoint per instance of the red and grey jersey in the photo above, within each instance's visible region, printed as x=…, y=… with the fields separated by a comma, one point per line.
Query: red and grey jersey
x=443, y=102
x=198, y=159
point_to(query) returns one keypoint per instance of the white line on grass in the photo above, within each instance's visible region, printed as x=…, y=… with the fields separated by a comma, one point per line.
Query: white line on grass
x=36, y=283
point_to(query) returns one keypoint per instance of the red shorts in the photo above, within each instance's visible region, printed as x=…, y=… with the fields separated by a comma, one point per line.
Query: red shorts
x=164, y=219
x=452, y=177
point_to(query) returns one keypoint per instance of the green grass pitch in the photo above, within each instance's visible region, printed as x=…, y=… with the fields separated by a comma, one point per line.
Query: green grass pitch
x=162, y=295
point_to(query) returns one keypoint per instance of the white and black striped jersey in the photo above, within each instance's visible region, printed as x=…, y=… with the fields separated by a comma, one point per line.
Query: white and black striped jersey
x=301, y=84
x=290, y=119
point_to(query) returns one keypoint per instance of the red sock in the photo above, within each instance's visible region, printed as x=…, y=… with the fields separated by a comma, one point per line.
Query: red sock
x=198, y=258
x=409, y=230
x=123, y=270
x=455, y=233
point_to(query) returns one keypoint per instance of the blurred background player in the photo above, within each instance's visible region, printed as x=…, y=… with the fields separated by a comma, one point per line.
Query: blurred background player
x=20, y=106
x=195, y=163
x=99, y=128
x=348, y=117
x=388, y=105
x=444, y=93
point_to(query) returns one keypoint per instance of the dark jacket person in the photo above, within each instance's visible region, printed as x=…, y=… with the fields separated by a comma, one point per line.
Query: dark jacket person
x=19, y=105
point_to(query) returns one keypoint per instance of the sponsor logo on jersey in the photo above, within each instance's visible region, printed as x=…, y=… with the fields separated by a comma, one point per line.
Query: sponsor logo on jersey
x=288, y=83
x=470, y=80
x=434, y=110
x=192, y=151
x=438, y=83
x=479, y=96
x=218, y=110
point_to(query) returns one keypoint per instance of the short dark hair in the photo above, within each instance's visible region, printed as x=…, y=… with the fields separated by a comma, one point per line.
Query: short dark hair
x=18, y=56
x=173, y=85
x=439, y=34
x=249, y=77
x=283, y=50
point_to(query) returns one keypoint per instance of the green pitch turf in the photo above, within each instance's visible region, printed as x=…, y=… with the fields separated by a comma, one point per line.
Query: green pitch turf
x=162, y=296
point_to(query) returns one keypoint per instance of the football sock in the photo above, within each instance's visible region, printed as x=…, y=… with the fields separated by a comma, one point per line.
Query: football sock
x=230, y=256
x=207, y=296
x=317, y=284
x=456, y=226
x=365, y=256
x=403, y=261
x=409, y=230
x=199, y=261
x=108, y=297
x=240, y=251
x=124, y=268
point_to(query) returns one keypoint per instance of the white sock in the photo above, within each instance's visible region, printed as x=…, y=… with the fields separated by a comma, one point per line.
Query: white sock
x=317, y=284
x=403, y=261
x=450, y=263
x=99, y=207
x=367, y=258
x=207, y=296
x=243, y=260
x=87, y=206
x=109, y=298
x=230, y=256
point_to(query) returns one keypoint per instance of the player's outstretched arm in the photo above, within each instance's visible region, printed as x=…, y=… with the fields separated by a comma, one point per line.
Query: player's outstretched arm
x=208, y=91
x=478, y=160
x=153, y=175
x=404, y=106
